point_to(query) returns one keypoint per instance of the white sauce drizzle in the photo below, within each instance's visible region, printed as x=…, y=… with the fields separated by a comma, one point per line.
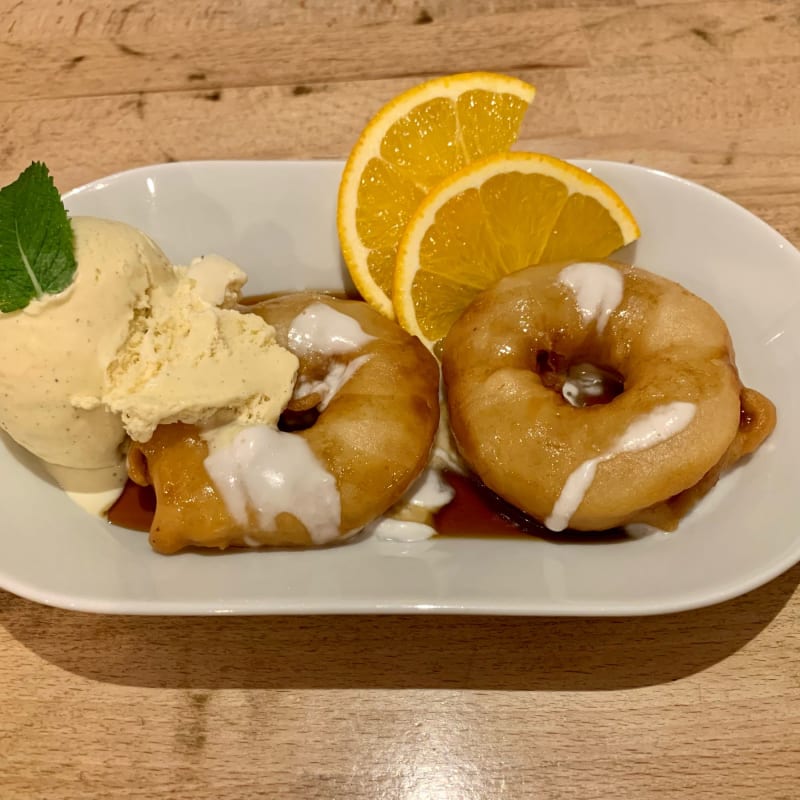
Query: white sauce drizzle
x=267, y=471
x=336, y=377
x=662, y=423
x=388, y=529
x=318, y=328
x=431, y=492
x=598, y=290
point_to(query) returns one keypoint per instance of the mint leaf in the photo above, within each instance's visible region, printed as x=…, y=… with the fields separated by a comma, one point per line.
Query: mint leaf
x=36, y=245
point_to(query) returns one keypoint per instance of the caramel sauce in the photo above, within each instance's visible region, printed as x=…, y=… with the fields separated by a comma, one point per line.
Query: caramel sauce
x=476, y=511
x=134, y=508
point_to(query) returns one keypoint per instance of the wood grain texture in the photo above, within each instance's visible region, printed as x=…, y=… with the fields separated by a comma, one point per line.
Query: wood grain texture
x=704, y=704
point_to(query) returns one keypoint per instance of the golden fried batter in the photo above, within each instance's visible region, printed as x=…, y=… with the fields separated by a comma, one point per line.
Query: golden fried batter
x=525, y=440
x=374, y=437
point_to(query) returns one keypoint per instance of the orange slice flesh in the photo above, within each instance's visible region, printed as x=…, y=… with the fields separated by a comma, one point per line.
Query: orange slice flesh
x=414, y=142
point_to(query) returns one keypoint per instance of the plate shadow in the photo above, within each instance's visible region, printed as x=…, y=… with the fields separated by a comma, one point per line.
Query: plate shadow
x=394, y=652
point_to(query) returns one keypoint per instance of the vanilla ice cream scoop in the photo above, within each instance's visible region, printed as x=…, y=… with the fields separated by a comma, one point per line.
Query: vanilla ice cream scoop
x=133, y=343
x=58, y=348
x=191, y=358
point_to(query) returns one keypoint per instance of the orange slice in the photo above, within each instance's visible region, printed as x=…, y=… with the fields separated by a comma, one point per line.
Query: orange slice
x=411, y=145
x=496, y=216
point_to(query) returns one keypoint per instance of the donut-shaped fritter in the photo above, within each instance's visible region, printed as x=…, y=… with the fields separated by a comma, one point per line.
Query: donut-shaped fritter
x=365, y=417
x=595, y=467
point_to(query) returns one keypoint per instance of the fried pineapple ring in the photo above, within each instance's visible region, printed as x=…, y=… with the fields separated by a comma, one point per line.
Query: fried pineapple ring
x=647, y=455
x=366, y=415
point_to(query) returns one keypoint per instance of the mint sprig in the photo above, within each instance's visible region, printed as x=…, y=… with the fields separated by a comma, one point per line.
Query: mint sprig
x=37, y=255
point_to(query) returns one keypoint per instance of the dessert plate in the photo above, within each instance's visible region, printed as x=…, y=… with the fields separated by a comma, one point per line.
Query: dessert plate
x=277, y=220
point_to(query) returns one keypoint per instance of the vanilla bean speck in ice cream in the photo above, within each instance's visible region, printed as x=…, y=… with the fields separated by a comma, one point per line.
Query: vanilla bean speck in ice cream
x=132, y=343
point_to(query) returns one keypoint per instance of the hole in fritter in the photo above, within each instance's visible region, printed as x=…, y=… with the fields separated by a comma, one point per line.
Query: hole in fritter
x=301, y=413
x=293, y=420
x=580, y=383
x=589, y=385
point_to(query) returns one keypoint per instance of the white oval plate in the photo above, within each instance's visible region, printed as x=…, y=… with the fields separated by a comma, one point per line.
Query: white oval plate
x=277, y=219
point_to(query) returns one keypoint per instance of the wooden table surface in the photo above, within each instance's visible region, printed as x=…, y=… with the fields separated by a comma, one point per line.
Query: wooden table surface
x=704, y=704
